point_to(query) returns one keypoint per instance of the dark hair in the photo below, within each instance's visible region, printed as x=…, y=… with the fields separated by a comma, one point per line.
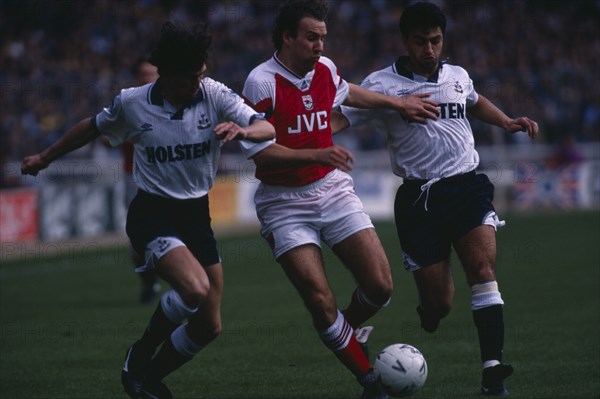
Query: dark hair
x=180, y=49
x=421, y=16
x=290, y=14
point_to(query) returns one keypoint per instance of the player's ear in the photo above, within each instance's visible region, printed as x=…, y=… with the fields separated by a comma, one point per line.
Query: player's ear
x=287, y=39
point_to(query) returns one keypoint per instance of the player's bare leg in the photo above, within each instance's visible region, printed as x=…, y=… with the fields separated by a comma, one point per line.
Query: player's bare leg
x=191, y=286
x=304, y=267
x=184, y=273
x=477, y=252
x=436, y=293
x=365, y=257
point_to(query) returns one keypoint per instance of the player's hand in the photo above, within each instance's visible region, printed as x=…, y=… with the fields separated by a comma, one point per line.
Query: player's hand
x=31, y=165
x=417, y=108
x=228, y=131
x=523, y=124
x=336, y=156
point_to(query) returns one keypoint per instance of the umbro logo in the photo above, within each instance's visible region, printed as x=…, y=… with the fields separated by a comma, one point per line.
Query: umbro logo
x=402, y=92
x=204, y=122
x=303, y=85
x=145, y=127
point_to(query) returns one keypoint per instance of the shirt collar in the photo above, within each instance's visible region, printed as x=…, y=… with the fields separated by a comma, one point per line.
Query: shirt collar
x=282, y=65
x=400, y=67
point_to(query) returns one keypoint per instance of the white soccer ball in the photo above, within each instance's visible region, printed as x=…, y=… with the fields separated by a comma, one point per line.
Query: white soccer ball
x=400, y=369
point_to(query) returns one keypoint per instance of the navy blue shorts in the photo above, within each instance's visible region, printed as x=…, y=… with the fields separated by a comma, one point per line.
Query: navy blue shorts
x=151, y=216
x=428, y=223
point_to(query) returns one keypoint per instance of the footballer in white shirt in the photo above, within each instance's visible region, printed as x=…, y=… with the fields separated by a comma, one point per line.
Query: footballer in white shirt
x=442, y=202
x=177, y=126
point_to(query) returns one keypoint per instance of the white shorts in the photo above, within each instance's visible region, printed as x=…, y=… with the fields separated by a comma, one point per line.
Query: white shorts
x=327, y=209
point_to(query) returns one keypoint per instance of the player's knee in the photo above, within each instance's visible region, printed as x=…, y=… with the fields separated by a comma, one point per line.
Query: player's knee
x=443, y=309
x=384, y=291
x=194, y=297
x=485, y=271
x=213, y=332
x=377, y=295
x=196, y=293
x=438, y=307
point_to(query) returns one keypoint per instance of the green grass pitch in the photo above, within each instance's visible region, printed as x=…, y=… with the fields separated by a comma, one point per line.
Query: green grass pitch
x=66, y=321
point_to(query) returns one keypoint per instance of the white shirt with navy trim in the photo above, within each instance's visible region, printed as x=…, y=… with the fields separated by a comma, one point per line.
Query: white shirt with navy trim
x=439, y=148
x=176, y=154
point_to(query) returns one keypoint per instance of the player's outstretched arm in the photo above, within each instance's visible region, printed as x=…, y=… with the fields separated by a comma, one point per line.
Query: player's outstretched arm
x=259, y=130
x=486, y=111
x=78, y=136
x=415, y=108
x=277, y=155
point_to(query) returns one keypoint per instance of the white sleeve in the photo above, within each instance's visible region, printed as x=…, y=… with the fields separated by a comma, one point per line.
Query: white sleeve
x=111, y=122
x=472, y=97
x=250, y=148
x=230, y=106
x=358, y=116
x=260, y=94
x=252, y=90
x=343, y=90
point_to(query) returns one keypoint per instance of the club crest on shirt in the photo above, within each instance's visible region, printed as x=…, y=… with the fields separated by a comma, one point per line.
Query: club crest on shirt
x=458, y=88
x=204, y=122
x=308, y=102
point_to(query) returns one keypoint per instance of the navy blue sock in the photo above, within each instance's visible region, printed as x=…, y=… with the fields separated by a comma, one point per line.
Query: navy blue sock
x=490, y=327
x=158, y=330
x=166, y=361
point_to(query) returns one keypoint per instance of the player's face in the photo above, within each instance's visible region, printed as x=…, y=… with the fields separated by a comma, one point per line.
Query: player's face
x=181, y=88
x=305, y=49
x=424, y=49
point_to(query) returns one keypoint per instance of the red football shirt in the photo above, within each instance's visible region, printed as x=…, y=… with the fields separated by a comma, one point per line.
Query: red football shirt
x=300, y=109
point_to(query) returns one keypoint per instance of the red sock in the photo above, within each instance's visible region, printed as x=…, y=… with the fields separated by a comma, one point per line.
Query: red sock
x=339, y=337
x=354, y=358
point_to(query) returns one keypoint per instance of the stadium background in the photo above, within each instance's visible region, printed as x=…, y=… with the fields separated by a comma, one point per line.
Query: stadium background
x=62, y=61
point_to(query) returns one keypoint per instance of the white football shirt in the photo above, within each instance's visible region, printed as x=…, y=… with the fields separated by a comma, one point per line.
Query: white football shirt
x=176, y=154
x=439, y=148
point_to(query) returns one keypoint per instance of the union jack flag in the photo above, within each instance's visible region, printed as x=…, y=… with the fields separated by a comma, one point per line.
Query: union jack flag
x=538, y=187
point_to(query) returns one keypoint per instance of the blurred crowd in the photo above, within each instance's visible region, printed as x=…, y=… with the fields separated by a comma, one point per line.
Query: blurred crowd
x=63, y=60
